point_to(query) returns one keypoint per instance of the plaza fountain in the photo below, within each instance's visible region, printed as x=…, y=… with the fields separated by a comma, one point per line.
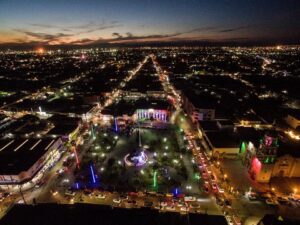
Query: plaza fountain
x=138, y=156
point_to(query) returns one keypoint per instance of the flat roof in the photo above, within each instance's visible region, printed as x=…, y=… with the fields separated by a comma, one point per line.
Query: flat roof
x=289, y=146
x=220, y=139
x=203, y=100
x=63, y=129
x=249, y=116
x=209, y=125
x=17, y=155
x=295, y=114
x=59, y=119
x=250, y=134
x=80, y=213
x=225, y=122
x=74, y=104
x=11, y=124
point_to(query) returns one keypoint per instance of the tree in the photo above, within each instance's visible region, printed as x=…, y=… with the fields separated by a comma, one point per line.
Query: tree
x=111, y=162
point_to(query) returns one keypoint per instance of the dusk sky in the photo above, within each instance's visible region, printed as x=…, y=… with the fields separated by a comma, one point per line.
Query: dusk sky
x=109, y=21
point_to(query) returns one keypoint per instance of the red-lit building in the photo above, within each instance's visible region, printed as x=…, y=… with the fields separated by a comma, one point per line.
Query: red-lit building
x=269, y=158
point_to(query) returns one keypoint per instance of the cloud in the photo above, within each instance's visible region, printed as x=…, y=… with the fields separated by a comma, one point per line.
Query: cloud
x=129, y=34
x=69, y=38
x=43, y=37
x=100, y=27
x=116, y=34
x=131, y=37
x=41, y=25
x=233, y=29
x=84, y=41
x=81, y=28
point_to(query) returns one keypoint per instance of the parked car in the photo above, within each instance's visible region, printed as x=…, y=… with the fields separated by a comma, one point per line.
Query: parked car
x=189, y=199
x=70, y=193
x=229, y=220
x=253, y=196
x=272, y=201
x=117, y=200
x=236, y=220
x=163, y=204
x=100, y=196
x=146, y=204
x=214, y=186
x=282, y=199
x=206, y=188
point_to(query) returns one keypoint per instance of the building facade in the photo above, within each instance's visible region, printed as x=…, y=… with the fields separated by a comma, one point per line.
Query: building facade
x=197, y=113
x=293, y=121
x=263, y=163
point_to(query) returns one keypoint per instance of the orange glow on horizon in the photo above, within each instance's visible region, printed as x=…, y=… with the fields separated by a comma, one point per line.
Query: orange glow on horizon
x=40, y=50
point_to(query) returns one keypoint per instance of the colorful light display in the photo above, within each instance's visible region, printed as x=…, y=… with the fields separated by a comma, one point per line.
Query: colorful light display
x=92, y=173
x=156, y=114
x=155, y=179
x=243, y=148
x=93, y=132
x=268, y=141
x=116, y=125
x=176, y=192
x=136, y=159
x=256, y=165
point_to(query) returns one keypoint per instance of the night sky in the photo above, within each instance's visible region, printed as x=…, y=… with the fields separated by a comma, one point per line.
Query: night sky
x=58, y=22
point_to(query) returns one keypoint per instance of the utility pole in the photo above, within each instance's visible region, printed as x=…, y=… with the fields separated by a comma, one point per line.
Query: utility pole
x=22, y=195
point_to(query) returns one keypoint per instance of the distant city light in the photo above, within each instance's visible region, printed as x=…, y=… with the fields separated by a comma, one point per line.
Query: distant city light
x=40, y=50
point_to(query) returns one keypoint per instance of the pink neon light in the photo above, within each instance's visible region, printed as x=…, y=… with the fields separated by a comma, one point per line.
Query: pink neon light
x=256, y=165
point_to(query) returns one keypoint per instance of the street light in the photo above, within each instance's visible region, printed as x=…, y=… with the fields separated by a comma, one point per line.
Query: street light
x=295, y=190
x=273, y=189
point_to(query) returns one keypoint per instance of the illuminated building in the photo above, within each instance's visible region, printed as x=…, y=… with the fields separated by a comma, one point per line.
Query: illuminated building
x=268, y=159
x=141, y=110
x=156, y=114
x=22, y=159
x=198, y=109
x=260, y=161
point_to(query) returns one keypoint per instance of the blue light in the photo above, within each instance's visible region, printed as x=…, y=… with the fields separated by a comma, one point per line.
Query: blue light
x=77, y=185
x=92, y=172
x=176, y=192
x=116, y=125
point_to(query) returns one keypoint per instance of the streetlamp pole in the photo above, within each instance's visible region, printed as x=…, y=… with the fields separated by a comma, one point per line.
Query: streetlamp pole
x=21, y=192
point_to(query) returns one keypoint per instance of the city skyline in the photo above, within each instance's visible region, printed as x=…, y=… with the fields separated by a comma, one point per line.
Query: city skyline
x=139, y=112
x=41, y=23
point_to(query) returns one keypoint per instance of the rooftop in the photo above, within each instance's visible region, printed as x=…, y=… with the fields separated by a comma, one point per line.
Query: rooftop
x=209, y=125
x=17, y=155
x=295, y=114
x=220, y=139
